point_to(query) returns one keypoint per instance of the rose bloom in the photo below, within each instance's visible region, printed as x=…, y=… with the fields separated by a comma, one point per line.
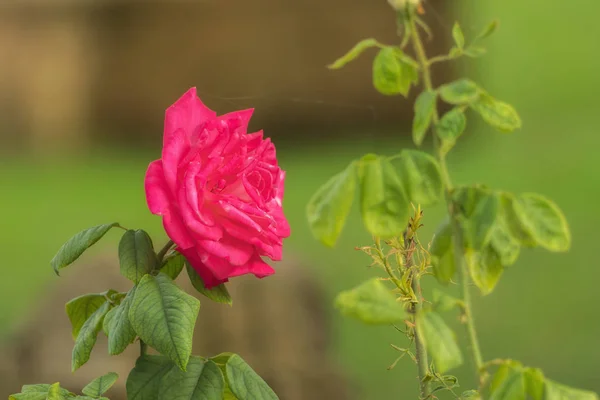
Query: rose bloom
x=219, y=190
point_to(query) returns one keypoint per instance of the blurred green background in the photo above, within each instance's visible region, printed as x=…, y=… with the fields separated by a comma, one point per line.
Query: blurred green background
x=544, y=312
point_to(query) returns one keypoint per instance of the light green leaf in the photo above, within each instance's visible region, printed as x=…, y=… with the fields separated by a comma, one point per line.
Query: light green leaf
x=457, y=34
x=371, y=302
x=81, y=308
x=543, y=220
x=442, y=253
x=392, y=72
x=504, y=244
x=244, y=382
x=498, y=114
x=444, y=302
x=219, y=293
x=74, y=247
x=328, y=208
x=55, y=392
x=164, y=317
x=470, y=395
x=534, y=383
x=488, y=30
x=478, y=210
x=485, y=268
x=450, y=127
x=512, y=386
x=513, y=222
x=354, y=52
x=424, y=110
x=41, y=392
x=203, y=380
x=462, y=91
x=99, y=386
x=136, y=255
x=475, y=51
x=439, y=340
x=173, y=265
x=117, y=326
x=144, y=381
x=421, y=177
x=86, y=339
x=383, y=203
x=557, y=391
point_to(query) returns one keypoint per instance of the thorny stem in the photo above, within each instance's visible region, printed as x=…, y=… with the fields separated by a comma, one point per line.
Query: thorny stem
x=463, y=274
x=420, y=351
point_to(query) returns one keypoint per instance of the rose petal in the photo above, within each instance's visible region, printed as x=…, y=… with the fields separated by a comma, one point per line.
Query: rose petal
x=235, y=251
x=177, y=230
x=157, y=192
x=191, y=255
x=188, y=113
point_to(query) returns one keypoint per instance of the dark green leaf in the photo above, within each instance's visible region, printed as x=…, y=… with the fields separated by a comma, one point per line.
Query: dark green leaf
x=81, y=308
x=219, y=293
x=534, y=383
x=74, y=247
x=99, y=386
x=86, y=339
x=353, y=53
x=462, y=91
x=478, y=211
x=450, y=127
x=173, y=265
x=424, y=110
x=383, y=203
x=136, y=255
x=244, y=383
x=144, y=381
x=557, y=391
x=421, y=177
x=457, y=34
x=484, y=267
x=442, y=253
x=511, y=388
x=543, y=220
x=498, y=114
x=392, y=73
x=371, y=302
x=328, y=208
x=164, y=316
x=203, y=380
x=439, y=340
x=117, y=326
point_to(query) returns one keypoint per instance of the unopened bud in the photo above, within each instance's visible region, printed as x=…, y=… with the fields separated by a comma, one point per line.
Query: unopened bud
x=401, y=4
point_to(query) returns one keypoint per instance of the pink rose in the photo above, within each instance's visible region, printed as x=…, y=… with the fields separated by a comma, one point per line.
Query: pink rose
x=219, y=190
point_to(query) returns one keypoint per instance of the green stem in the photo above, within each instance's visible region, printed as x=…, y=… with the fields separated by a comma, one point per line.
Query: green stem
x=421, y=352
x=143, y=348
x=161, y=254
x=463, y=274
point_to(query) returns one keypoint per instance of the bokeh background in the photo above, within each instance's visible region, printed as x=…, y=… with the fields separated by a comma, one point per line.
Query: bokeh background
x=84, y=85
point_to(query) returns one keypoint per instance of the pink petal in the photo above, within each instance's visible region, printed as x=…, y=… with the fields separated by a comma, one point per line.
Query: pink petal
x=196, y=262
x=174, y=151
x=187, y=113
x=177, y=230
x=157, y=192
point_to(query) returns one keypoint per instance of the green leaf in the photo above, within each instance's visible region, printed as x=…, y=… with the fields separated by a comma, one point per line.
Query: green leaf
x=328, y=208
x=164, y=317
x=474, y=51
x=41, y=392
x=244, y=382
x=485, y=268
x=470, y=395
x=444, y=302
x=457, y=34
x=557, y=391
x=136, y=255
x=513, y=222
x=86, y=339
x=354, y=52
x=219, y=293
x=55, y=392
x=478, y=210
x=392, y=72
x=144, y=381
x=81, y=308
x=512, y=386
x=439, y=340
x=534, y=383
x=442, y=253
x=421, y=177
x=462, y=91
x=450, y=127
x=488, y=30
x=498, y=114
x=203, y=380
x=371, y=302
x=383, y=203
x=74, y=247
x=173, y=265
x=424, y=110
x=117, y=326
x=504, y=244
x=99, y=386
x=543, y=220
